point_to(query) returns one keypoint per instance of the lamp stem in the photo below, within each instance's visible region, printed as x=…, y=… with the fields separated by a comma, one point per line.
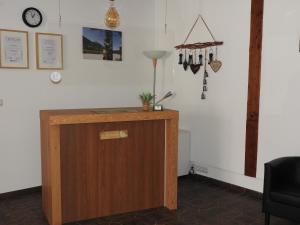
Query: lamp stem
x=154, y=81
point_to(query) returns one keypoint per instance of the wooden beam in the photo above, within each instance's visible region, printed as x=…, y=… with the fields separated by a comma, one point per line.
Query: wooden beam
x=257, y=13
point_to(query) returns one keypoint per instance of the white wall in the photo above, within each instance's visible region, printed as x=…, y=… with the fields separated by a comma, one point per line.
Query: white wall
x=218, y=124
x=280, y=92
x=85, y=83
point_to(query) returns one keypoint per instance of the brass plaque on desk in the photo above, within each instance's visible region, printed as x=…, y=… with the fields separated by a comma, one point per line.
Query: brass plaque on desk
x=118, y=134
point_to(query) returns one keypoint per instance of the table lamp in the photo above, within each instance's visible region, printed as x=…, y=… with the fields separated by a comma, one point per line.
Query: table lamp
x=154, y=55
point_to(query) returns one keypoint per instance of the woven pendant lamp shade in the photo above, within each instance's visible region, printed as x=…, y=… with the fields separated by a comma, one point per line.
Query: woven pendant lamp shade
x=112, y=17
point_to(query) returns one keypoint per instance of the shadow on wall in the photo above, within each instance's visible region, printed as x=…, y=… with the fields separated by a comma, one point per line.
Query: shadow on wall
x=216, y=140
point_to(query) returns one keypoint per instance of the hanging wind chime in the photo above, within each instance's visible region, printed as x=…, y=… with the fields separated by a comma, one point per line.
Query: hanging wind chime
x=191, y=55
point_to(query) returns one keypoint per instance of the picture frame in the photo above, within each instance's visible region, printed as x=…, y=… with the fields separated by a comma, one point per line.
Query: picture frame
x=102, y=44
x=14, y=52
x=49, y=51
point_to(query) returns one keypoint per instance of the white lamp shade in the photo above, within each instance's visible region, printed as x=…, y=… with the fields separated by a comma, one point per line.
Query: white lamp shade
x=155, y=54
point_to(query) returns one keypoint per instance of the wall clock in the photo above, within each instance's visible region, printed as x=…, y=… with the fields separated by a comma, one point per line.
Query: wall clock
x=32, y=17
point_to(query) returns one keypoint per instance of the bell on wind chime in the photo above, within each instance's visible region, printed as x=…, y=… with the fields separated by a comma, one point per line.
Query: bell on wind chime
x=205, y=76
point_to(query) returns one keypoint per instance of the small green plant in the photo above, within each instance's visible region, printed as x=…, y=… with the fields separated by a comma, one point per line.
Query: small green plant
x=146, y=97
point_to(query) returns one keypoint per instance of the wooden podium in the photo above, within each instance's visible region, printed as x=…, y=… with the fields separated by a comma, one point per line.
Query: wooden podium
x=100, y=162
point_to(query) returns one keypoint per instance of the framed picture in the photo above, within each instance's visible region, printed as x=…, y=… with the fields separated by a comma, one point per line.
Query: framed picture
x=49, y=51
x=99, y=44
x=14, y=49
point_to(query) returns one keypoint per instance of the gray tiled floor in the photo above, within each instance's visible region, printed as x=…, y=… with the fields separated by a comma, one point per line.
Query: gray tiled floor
x=201, y=202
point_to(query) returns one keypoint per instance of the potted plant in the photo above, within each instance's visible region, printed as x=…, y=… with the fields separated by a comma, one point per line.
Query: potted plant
x=146, y=98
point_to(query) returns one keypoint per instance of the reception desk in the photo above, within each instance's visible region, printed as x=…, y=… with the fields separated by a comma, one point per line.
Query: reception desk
x=101, y=162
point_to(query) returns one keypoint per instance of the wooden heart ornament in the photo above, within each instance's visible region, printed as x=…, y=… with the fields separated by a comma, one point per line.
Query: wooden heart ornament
x=195, y=68
x=216, y=65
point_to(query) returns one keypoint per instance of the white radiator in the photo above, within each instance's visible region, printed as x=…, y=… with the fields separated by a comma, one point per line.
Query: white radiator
x=184, y=152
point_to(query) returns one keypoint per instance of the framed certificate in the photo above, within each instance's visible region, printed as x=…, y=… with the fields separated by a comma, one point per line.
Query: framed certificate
x=14, y=49
x=49, y=51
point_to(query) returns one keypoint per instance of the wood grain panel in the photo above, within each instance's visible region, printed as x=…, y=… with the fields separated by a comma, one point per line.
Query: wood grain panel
x=51, y=171
x=54, y=147
x=45, y=154
x=51, y=123
x=76, y=116
x=105, y=177
x=257, y=10
x=171, y=163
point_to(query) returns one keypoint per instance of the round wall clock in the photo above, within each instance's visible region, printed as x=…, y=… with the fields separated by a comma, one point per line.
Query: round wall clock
x=32, y=17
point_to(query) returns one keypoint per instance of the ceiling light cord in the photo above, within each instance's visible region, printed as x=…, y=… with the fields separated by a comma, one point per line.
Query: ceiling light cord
x=59, y=13
x=166, y=17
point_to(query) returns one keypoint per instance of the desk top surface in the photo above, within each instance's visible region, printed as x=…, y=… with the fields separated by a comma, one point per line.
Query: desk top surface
x=98, y=115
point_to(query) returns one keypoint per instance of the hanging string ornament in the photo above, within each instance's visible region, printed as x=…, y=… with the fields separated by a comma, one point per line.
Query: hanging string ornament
x=209, y=57
x=195, y=67
x=190, y=62
x=201, y=58
x=59, y=14
x=205, y=76
x=180, y=58
x=205, y=65
x=166, y=17
x=216, y=64
x=112, y=17
x=185, y=63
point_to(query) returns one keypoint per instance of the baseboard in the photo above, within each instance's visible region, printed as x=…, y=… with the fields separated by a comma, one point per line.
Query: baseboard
x=19, y=193
x=228, y=186
x=254, y=184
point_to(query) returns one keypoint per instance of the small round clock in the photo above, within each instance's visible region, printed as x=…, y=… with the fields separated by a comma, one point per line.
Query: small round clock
x=32, y=17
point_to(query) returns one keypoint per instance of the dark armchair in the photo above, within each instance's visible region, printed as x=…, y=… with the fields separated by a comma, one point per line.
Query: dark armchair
x=282, y=189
